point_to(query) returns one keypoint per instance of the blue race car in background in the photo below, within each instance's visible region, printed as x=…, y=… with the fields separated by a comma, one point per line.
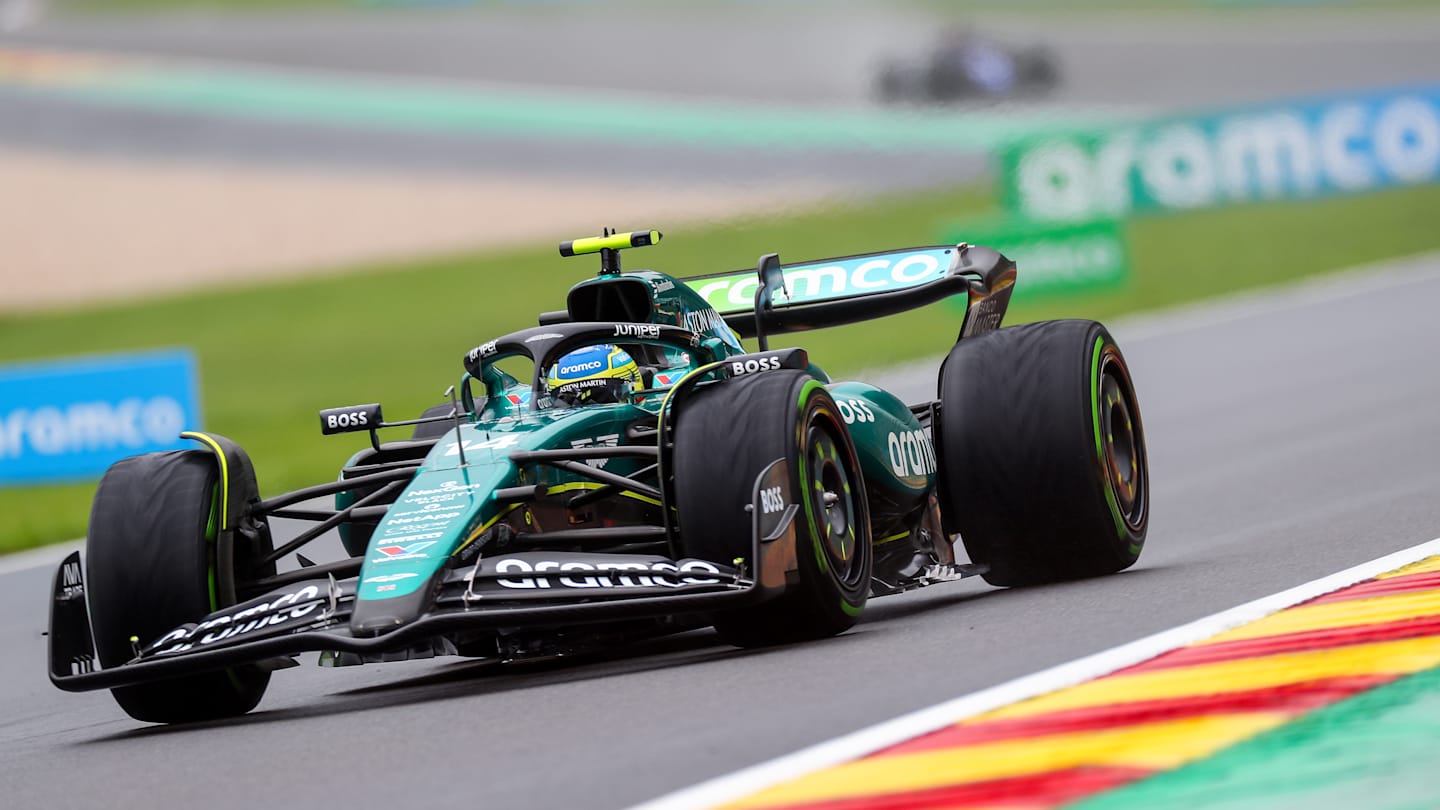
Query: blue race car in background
x=965, y=65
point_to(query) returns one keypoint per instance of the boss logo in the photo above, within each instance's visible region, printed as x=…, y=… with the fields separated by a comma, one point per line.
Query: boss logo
x=355, y=417
x=754, y=365
x=855, y=410
x=347, y=420
x=771, y=500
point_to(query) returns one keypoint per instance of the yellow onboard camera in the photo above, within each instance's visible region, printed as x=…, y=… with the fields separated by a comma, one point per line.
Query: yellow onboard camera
x=609, y=246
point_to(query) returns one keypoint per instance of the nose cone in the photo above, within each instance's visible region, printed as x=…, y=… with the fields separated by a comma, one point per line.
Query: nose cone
x=378, y=617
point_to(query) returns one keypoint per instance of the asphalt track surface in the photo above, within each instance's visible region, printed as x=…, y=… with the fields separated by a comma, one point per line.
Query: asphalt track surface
x=1290, y=436
x=1285, y=444
x=754, y=58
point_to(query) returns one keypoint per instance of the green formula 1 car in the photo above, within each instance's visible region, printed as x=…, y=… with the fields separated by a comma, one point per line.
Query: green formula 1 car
x=624, y=469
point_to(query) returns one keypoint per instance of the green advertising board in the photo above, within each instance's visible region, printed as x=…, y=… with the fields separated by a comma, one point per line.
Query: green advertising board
x=1055, y=258
x=1287, y=151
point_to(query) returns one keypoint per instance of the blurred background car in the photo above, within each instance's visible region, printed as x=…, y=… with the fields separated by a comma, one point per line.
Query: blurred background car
x=964, y=65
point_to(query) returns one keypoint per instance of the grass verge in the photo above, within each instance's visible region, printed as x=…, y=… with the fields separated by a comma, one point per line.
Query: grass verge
x=271, y=356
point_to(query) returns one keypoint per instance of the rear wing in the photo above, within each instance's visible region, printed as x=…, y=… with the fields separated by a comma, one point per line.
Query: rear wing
x=777, y=298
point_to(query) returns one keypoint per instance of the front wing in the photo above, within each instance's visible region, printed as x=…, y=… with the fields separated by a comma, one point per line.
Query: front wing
x=523, y=589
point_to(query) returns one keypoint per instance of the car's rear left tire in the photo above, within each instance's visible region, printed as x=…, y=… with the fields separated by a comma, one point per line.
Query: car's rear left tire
x=150, y=560
x=726, y=435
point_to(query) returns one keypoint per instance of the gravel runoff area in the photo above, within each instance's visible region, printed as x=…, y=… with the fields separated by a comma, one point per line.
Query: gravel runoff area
x=90, y=229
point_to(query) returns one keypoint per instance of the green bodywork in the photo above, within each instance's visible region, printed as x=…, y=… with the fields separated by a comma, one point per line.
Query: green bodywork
x=895, y=452
x=449, y=504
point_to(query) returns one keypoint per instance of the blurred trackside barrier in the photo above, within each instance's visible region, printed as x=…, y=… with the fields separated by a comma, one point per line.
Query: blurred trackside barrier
x=69, y=419
x=1288, y=151
x=1053, y=258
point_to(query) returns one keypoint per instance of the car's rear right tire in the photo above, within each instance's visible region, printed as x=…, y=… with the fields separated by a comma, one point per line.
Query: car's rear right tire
x=150, y=568
x=1043, y=464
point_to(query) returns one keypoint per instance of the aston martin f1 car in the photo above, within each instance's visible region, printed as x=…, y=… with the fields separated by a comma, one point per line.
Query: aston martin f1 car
x=626, y=468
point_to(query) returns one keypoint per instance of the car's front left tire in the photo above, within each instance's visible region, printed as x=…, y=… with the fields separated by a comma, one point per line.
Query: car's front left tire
x=726, y=436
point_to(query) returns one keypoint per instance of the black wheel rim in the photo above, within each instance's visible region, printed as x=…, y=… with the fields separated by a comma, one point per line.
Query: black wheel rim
x=1123, y=446
x=832, y=504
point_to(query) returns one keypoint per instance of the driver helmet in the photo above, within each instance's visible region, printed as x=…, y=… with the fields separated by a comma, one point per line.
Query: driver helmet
x=593, y=375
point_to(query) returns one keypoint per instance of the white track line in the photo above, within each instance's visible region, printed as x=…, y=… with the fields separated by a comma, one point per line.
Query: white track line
x=852, y=746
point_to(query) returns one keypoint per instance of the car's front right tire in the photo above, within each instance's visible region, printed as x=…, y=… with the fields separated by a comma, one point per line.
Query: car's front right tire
x=150, y=568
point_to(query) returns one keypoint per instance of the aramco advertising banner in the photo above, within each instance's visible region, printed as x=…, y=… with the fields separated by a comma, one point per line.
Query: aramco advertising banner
x=1054, y=257
x=1294, y=151
x=68, y=420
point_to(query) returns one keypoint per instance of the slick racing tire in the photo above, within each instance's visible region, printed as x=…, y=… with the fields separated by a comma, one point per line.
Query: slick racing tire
x=1043, y=465
x=726, y=436
x=150, y=561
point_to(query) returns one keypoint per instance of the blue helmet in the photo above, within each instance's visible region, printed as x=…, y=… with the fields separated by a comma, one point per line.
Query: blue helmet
x=593, y=375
